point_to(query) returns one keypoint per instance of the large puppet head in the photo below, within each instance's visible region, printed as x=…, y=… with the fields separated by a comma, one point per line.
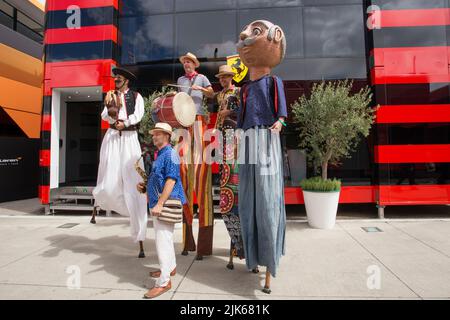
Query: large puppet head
x=262, y=44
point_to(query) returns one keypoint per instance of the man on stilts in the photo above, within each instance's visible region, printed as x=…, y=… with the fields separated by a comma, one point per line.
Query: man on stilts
x=196, y=175
x=117, y=177
x=262, y=46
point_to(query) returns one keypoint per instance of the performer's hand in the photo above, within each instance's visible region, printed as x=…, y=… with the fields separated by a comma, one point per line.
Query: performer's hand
x=156, y=210
x=224, y=113
x=120, y=125
x=141, y=187
x=112, y=112
x=109, y=97
x=277, y=126
x=196, y=87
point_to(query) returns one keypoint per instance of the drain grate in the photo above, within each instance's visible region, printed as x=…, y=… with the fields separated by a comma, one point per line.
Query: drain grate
x=371, y=229
x=68, y=225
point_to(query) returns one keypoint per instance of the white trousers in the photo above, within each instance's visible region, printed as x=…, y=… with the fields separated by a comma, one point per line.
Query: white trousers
x=117, y=180
x=165, y=250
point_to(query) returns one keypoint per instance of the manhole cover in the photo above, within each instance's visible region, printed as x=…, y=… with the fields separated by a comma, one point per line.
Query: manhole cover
x=372, y=229
x=68, y=225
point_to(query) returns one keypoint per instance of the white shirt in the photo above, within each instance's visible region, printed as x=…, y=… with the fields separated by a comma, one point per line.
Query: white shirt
x=128, y=120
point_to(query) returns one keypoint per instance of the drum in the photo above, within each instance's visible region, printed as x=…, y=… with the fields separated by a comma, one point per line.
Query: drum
x=177, y=110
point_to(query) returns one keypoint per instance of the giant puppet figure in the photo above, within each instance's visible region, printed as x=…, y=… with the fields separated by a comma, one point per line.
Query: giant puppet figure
x=262, y=46
x=120, y=150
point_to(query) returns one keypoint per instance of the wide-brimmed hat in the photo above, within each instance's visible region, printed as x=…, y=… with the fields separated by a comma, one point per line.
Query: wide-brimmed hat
x=192, y=57
x=161, y=126
x=225, y=70
x=124, y=72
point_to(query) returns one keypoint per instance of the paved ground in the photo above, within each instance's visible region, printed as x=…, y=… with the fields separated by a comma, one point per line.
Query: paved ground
x=38, y=260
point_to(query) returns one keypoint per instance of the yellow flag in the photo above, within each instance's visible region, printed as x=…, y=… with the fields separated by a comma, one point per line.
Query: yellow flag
x=238, y=67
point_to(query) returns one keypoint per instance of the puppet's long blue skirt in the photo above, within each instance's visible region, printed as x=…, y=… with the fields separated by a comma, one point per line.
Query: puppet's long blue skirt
x=261, y=198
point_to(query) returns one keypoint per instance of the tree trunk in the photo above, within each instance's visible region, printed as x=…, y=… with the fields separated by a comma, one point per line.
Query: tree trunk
x=324, y=170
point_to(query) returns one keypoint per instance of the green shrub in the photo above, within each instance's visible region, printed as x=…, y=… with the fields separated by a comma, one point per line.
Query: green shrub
x=332, y=121
x=320, y=185
x=147, y=123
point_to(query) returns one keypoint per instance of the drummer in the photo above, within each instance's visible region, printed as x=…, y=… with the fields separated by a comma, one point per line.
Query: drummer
x=196, y=177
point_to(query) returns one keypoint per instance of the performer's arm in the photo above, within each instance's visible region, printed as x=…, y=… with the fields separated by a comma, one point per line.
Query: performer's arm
x=106, y=117
x=136, y=117
x=282, y=108
x=205, y=87
x=171, y=175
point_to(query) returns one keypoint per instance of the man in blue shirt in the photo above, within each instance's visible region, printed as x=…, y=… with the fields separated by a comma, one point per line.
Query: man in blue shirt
x=164, y=182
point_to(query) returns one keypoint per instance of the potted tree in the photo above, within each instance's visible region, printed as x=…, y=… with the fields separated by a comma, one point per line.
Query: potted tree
x=331, y=123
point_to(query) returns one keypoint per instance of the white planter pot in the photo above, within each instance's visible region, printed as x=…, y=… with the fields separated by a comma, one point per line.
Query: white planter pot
x=321, y=208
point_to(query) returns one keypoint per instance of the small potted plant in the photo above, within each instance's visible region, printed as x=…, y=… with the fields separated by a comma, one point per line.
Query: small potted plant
x=331, y=122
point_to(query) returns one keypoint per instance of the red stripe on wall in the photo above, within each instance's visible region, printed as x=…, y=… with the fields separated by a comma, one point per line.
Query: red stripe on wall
x=46, y=123
x=52, y=5
x=349, y=194
x=413, y=113
x=422, y=153
x=84, y=34
x=44, y=194
x=414, y=17
x=414, y=194
x=410, y=65
x=379, y=77
x=79, y=74
x=44, y=158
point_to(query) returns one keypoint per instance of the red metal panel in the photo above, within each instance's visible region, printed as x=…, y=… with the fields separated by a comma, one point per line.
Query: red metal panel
x=422, y=153
x=52, y=5
x=79, y=74
x=44, y=158
x=84, y=34
x=414, y=17
x=105, y=125
x=413, y=113
x=349, y=194
x=415, y=194
x=410, y=65
x=46, y=124
x=44, y=194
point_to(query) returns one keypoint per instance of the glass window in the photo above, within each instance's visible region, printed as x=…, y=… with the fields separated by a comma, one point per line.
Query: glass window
x=6, y=8
x=29, y=28
x=202, y=5
x=289, y=20
x=6, y=14
x=146, y=7
x=268, y=3
x=207, y=34
x=409, y=4
x=334, y=31
x=81, y=51
x=148, y=38
x=421, y=36
x=6, y=20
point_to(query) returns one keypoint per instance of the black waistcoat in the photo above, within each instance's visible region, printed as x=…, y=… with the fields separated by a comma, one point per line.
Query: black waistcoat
x=130, y=102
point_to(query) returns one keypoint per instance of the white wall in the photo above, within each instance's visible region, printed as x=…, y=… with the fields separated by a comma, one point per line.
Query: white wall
x=54, y=144
x=63, y=137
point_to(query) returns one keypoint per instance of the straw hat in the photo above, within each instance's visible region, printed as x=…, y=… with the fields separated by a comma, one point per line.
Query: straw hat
x=192, y=57
x=161, y=126
x=225, y=70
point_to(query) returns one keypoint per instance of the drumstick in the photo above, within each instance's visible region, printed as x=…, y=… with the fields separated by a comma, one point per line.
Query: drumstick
x=178, y=86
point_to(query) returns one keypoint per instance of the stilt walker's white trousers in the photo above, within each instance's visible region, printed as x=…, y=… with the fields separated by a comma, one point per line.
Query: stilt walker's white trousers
x=117, y=180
